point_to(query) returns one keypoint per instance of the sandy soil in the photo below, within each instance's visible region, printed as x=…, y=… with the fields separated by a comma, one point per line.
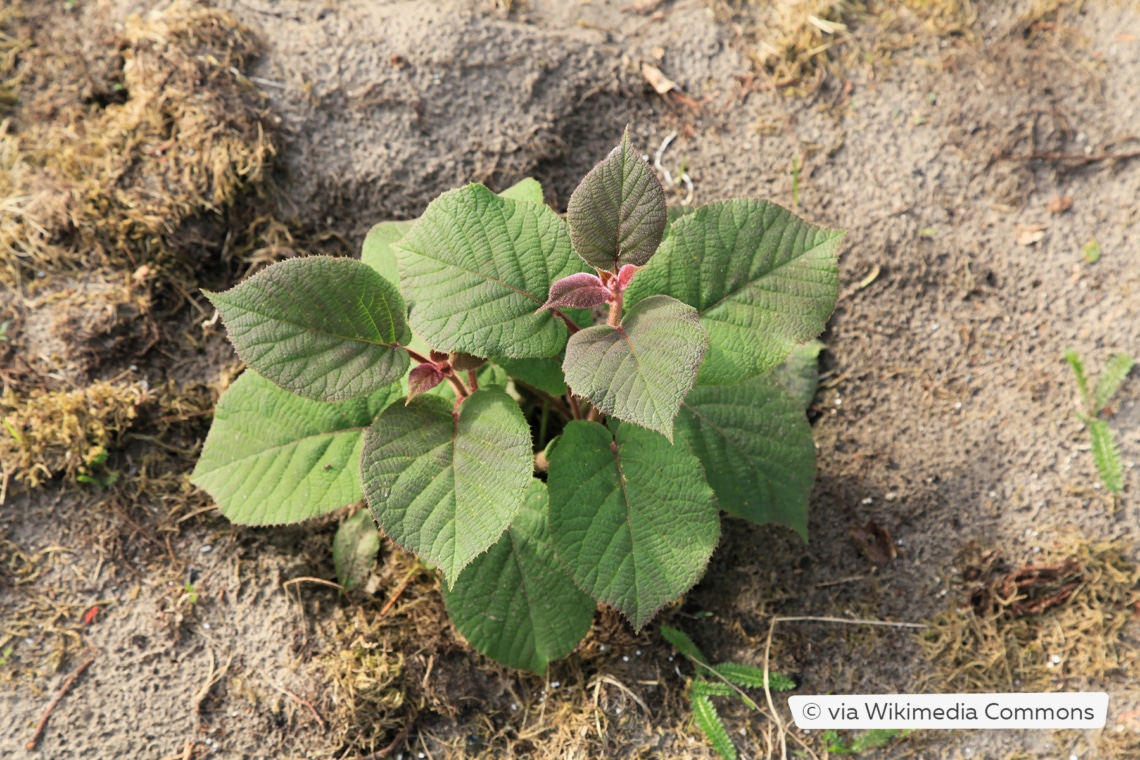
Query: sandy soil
x=946, y=414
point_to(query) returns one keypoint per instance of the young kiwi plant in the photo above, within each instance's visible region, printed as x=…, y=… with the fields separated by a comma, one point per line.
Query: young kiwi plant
x=552, y=412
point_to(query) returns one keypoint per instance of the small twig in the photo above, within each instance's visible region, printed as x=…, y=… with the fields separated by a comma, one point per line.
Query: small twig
x=307, y=579
x=399, y=590
x=782, y=732
x=56, y=700
x=395, y=744
x=293, y=696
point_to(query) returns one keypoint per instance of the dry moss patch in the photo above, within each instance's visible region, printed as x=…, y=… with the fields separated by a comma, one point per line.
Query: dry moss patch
x=111, y=150
x=69, y=432
x=1061, y=620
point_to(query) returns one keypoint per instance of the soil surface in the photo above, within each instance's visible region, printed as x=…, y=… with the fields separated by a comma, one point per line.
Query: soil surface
x=946, y=414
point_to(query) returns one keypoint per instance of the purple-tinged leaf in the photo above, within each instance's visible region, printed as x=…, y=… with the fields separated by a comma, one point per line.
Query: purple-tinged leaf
x=617, y=214
x=579, y=291
x=461, y=362
x=625, y=276
x=422, y=379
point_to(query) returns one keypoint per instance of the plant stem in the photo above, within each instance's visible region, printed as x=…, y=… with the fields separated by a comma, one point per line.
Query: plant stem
x=472, y=380
x=614, y=319
x=461, y=391
x=575, y=410
x=595, y=415
x=417, y=356
x=573, y=328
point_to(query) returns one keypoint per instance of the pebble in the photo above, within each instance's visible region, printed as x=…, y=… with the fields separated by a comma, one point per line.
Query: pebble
x=625, y=658
x=206, y=549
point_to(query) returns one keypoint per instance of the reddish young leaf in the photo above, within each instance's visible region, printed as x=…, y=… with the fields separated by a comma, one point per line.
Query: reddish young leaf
x=422, y=379
x=581, y=291
x=625, y=276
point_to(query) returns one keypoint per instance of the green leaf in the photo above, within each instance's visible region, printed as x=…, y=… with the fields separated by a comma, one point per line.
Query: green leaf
x=702, y=688
x=272, y=457
x=762, y=280
x=799, y=374
x=527, y=189
x=515, y=603
x=675, y=213
x=1106, y=455
x=641, y=371
x=544, y=374
x=355, y=546
x=617, y=214
x=321, y=327
x=684, y=644
x=632, y=518
x=445, y=488
x=756, y=448
x=1111, y=378
x=475, y=269
x=1074, y=360
x=753, y=678
x=708, y=720
x=377, y=251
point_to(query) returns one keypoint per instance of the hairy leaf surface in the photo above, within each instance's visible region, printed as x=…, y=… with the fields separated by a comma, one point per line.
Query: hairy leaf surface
x=639, y=372
x=446, y=488
x=272, y=457
x=762, y=280
x=632, y=517
x=355, y=546
x=475, y=269
x=756, y=447
x=617, y=214
x=321, y=327
x=515, y=603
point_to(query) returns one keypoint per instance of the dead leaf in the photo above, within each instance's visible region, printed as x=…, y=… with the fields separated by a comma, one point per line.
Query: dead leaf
x=1029, y=234
x=658, y=81
x=875, y=541
x=1060, y=204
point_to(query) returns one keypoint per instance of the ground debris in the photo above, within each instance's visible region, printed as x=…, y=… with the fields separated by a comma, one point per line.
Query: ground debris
x=1023, y=627
x=111, y=150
